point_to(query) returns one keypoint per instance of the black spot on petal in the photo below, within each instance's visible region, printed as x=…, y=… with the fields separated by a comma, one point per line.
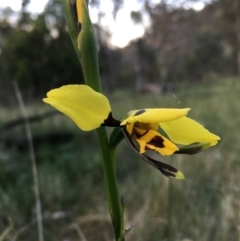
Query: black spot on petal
x=157, y=141
x=139, y=112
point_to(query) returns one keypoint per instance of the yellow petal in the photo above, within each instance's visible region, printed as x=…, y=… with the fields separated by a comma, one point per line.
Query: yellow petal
x=186, y=131
x=179, y=175
x=154, y=115
x=86, y=107
x=129, y=128
x=79, y=5
x=144, y=126
x=152, y=140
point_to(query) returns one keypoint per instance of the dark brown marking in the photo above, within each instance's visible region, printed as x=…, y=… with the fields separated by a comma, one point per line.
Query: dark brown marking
x=166, y=173
x=147, y=148
x=157, y=141
x=110, y=121
x=138, y=135
x=191, y=151
x=165, y=169
x=79, y=27
x=163, y=165
x=139, y=112
x=74, y=10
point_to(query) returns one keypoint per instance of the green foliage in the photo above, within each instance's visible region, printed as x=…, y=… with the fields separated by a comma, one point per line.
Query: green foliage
x=179, y=44
x=202, y=59
x=40, y=58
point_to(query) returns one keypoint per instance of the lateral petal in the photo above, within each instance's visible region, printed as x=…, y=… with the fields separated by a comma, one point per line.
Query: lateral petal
x=86, y=107
x=186, y=131
x=157, y=115
x=165, y=169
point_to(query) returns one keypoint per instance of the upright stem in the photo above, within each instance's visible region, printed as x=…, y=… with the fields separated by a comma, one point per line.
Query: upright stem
x=114, y=201
x=86, y=48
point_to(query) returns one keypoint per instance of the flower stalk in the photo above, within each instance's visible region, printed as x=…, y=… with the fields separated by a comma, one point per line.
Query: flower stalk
x=84, y=42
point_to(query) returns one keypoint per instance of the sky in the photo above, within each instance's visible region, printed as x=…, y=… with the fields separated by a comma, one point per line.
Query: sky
x=117, y=27
x=122, y=29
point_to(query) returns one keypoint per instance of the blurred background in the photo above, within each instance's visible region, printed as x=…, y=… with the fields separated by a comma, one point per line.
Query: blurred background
x=152, y=53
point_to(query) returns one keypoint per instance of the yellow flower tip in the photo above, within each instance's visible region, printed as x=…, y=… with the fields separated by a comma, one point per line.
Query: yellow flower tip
x=80, y=8
x=86, y=107
x=179, y=175
x=215, y=139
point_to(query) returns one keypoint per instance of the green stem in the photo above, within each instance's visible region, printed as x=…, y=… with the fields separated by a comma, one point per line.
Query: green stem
x=113, y=195
x=86, y=48
x=89, y=61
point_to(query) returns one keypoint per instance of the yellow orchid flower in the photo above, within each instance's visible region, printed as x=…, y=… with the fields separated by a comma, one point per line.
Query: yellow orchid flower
x=90, y=110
